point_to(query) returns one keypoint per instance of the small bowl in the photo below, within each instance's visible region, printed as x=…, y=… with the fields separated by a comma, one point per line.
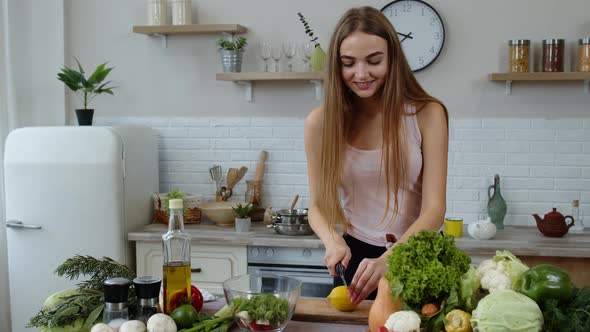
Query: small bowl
x=252, y=286
x=220, y=213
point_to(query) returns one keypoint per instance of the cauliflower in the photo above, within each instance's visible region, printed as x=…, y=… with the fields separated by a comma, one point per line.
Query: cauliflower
x=492, y=276
x=500, y=272
x=403, y=321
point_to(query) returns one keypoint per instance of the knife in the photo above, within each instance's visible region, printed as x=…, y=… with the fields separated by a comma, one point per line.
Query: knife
x=340, y=270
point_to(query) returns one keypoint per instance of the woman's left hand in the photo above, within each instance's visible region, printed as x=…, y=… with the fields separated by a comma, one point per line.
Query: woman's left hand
x=366, y=279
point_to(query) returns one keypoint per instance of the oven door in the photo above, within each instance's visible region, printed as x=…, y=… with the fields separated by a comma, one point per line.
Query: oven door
x=317, y=282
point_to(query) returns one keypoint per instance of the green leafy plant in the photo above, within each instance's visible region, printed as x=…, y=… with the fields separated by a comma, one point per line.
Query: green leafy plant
x=308, y=30
x=235, y=45
x=174, y=194
x=86, y=88
x=242, y=211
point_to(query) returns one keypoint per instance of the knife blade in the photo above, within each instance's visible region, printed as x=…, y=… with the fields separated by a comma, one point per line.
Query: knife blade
x=340, y=270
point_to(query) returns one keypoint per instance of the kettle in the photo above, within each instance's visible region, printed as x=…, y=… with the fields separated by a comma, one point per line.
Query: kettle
x=554, y=224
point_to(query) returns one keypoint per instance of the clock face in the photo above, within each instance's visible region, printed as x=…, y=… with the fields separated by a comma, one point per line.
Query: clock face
x=419, y=29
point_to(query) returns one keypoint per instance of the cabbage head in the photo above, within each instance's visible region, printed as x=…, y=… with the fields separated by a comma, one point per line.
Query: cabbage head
x=507, y=311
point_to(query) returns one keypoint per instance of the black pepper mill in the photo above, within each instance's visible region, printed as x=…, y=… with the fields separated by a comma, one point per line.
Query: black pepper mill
x=147, y=289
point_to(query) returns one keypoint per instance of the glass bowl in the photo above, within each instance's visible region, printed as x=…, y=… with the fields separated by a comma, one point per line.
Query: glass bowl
x=263, y=302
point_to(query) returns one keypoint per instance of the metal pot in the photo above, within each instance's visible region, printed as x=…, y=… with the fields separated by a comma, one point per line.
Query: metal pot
x=293, y=230
x=291, y=217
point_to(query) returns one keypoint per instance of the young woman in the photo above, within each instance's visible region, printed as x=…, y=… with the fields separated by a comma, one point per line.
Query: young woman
x=376, y=152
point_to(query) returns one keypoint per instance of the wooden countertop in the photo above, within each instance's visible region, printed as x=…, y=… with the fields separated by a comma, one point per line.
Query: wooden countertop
x=520, y=240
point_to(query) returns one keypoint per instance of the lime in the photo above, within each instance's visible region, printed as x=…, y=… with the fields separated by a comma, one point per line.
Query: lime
x=184, y=316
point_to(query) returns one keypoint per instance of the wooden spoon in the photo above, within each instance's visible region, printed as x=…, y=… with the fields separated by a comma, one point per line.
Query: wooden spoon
x=294, y=202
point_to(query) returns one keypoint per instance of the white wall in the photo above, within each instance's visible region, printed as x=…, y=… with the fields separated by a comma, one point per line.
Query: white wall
x=537, y=139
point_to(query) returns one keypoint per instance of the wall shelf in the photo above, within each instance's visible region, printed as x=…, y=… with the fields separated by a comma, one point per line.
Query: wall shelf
x=246, y=79
x=565, y=76
x=192, y=29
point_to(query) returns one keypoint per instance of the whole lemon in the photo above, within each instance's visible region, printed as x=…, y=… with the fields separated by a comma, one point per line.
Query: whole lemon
x=339, y=299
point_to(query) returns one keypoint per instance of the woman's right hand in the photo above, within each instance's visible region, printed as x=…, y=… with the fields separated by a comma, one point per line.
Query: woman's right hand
x=336, y=252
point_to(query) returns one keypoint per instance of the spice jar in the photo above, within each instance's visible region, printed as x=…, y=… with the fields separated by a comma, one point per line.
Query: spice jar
x=519, y=55
x=553, y=55
x=584, y=54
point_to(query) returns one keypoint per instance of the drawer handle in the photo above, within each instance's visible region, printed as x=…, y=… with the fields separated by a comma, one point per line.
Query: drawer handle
x=197, y=270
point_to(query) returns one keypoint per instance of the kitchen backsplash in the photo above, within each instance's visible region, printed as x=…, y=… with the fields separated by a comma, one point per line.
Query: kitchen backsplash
x=542, y=163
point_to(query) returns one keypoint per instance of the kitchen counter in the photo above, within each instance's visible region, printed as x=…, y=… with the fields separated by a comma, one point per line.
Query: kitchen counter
x=571, y=252
x=522, y=241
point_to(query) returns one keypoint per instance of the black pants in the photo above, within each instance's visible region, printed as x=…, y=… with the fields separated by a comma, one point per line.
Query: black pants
x=359, y=250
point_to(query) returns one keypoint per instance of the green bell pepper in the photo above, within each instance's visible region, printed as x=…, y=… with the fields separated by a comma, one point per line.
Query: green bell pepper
x=544, y=282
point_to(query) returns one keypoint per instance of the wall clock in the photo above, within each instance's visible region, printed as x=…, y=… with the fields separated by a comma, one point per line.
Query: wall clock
x=420, y=30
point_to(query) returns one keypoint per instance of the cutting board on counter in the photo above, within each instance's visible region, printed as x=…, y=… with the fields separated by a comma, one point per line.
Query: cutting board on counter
x=319, y=310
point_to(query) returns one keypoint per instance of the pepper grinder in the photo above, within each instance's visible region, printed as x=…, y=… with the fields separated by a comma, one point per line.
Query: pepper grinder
x=115, y=302
x=147, y=289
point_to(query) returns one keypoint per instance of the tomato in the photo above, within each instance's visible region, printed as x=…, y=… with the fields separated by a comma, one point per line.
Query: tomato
x=261, y=327
x=382, y=329
x=184, y=316
x=197, y=298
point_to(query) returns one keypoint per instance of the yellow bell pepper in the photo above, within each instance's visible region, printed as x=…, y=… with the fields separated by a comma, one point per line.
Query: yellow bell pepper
x=458, y=321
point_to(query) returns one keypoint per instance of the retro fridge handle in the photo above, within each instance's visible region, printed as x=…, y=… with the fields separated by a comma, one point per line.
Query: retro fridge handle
x=19, y=224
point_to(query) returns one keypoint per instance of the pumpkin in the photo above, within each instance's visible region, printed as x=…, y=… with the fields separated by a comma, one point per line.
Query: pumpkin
x=383, y=306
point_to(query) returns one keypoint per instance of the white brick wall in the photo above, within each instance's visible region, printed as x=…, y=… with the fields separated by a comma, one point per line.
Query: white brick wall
x=542, y=163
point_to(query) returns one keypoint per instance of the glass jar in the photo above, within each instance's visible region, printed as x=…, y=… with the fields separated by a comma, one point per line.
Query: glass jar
x=584, y=54
x=553, y=55
x=157, y=11
x=254, y=192
x=519, y=55
x=182, y=12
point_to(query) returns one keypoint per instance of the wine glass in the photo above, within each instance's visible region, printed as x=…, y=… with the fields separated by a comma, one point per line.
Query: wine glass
x=276, y=53
x=289, y=49
x=307, y=49
x=265, y=48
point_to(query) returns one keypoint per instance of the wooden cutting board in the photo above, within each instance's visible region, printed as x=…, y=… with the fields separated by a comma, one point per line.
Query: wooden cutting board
x=320, y=310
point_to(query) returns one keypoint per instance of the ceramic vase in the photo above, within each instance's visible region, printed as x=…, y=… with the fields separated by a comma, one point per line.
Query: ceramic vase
x=317, y=58
x=496, y=204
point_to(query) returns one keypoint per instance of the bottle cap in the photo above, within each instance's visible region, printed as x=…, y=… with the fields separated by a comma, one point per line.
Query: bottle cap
x=115, y=290
x=147, y=287
x=175, y=204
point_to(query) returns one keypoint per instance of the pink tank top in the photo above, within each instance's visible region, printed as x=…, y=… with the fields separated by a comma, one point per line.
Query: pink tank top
x=363, y=192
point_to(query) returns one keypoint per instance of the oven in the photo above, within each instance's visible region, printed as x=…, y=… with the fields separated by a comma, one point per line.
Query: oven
x=305, y=264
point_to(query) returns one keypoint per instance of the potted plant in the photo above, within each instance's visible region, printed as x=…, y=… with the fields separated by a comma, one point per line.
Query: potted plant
x=232, y=53
x=86, y=87
x=317, y=55
x=242, y=217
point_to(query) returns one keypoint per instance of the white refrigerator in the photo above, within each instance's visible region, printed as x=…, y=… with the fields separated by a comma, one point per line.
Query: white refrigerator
x=72, y=190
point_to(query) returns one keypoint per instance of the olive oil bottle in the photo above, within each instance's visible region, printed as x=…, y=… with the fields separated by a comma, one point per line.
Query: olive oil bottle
x=177, y=260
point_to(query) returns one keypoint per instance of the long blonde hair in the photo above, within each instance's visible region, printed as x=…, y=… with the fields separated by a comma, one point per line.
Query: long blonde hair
x=400, y=87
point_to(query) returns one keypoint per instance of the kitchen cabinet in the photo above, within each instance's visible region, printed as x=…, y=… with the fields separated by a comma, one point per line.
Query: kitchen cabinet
x=246, y=80
x=542, y=77
x=211, y=264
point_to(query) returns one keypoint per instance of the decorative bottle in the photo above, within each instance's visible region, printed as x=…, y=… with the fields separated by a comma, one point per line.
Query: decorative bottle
x=496, y=204
x=578, y=216
x=177, y=260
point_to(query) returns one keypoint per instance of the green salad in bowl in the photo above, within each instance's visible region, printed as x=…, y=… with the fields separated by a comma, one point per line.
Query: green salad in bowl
x=262, y=302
